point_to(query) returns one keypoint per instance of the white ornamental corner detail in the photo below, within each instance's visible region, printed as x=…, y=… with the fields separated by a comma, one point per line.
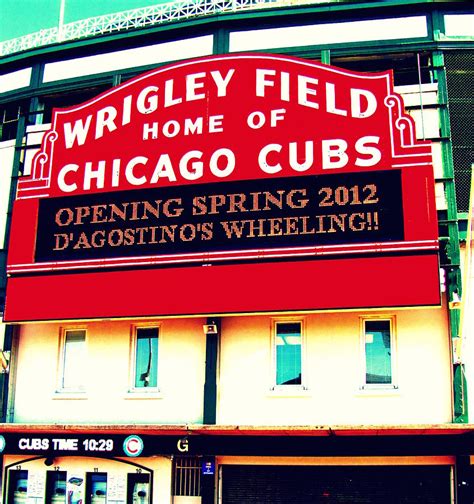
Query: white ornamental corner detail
x=37, y=184
x=403, y=132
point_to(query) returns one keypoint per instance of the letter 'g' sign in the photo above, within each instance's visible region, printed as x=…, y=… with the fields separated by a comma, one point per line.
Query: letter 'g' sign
x=225, y=160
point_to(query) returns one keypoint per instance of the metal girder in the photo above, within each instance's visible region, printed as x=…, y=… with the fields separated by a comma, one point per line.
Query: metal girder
x=137, y=18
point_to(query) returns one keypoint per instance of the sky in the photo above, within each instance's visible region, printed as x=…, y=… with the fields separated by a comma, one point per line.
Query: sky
x=21, y=17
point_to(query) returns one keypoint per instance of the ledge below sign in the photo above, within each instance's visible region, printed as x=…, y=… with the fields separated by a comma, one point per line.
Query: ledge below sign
x=326, y=284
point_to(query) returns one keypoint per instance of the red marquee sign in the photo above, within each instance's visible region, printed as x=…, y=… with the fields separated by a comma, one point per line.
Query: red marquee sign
x=263, y=168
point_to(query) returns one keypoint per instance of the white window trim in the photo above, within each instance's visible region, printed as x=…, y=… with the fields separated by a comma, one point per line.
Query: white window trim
x=288, y=390
x=379, y=387
x=65, y=391
x=143, y=392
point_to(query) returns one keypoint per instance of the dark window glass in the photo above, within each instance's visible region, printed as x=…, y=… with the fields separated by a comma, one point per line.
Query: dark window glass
x=146, y=357
x=56, y=491
x=288, y=353
x=378, y=352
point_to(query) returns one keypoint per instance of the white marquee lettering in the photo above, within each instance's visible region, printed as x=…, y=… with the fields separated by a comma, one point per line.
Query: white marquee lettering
x=62, y=184
x=170, y=100
x=76, y=133
x=105, y=119
x=196, y=170
x=261, y=81
x=331, y=100
x=363, y=146
x=356, y=103
x=334, y=153
x=97, y=174
x=193, y=83
x=163, y=169
x=305, y=91
x=222, y=82
x=229, y=166
x=308, y=156
x=130, y=176
x=263, y=162
x=147, y=100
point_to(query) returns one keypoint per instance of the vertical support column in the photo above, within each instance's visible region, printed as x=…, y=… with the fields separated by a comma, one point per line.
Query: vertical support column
x=437, y=24
x=25, y=118
x=326, y=56
x=35, y=115
x=7, y=343
x=221, y=41
x=4, y=377
x=453, y=276
x=208, y=480
x=212, y=331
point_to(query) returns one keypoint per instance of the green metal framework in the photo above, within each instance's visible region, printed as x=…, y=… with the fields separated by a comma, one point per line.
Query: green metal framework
x=169, y=12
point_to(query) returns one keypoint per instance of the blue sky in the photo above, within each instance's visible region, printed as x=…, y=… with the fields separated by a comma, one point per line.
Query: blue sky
x=20, y=17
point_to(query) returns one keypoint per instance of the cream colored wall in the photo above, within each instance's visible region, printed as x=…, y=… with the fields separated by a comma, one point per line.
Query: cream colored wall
x=106, y=400
x=333, y=371
x=332, y=357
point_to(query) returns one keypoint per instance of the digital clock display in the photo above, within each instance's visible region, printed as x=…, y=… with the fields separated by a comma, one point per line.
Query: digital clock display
x=98, y=445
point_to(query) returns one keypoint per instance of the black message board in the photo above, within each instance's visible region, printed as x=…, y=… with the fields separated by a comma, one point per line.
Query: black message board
x=333, y=209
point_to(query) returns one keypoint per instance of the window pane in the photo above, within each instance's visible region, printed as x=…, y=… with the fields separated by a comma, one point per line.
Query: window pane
x=96, y=488
x=56, y=487
x=17, y=486
x=288, y=354
x=74, y=359
x=138, y=488
x=378, y=352
x=146, y=357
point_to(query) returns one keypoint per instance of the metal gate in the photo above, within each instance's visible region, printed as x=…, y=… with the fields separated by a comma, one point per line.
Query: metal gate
x=335, y=485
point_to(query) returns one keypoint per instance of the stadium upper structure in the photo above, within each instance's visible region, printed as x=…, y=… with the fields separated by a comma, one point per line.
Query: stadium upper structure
x=160, y=13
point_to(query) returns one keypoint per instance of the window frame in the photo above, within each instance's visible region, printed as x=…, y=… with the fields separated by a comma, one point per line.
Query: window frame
x=133, y=389
x=393, y=385
x=289, y=388
x=80, y=388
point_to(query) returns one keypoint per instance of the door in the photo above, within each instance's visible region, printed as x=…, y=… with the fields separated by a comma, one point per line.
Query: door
x=335, y=485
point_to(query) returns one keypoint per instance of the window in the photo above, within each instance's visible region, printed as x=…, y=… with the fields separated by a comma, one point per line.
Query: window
x=96, y=488
x=378, y=351
x=17, y=485
x=73, y=360
x=56, y=487
x=9, y=119
x=145, y=374
x=408, y=67
x=288, y=359
x=138, y=488
x=187, y=476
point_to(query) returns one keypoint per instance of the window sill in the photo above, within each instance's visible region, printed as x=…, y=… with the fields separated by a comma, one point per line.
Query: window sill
x=380, y=391
x=70, y=394
x=289, y=391
x=140, y=394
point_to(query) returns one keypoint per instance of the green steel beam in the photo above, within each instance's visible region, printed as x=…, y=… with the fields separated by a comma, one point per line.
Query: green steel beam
x=453, y=274
x=221, y=41
x=326, y=56
x=210, y=383
x=336, y=8
x=221, y=46
x=20, y=135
